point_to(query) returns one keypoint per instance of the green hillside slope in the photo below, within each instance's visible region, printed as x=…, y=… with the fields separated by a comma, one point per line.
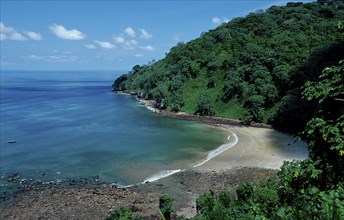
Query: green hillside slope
x=250, y=68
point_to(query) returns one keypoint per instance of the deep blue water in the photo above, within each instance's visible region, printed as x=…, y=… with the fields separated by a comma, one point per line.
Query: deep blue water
x=70, y=124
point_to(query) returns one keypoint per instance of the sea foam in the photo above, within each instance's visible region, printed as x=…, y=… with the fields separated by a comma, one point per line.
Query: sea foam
x=161, y=174
x=220, y=149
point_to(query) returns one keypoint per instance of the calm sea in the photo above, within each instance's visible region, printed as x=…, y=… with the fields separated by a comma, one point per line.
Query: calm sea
x=71, y=125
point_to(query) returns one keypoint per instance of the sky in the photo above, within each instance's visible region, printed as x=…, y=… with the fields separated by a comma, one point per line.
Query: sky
x=106, y=35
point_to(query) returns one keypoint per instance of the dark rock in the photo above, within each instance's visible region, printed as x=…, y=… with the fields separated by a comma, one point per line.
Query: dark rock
x=134, y=208
x=13, y=177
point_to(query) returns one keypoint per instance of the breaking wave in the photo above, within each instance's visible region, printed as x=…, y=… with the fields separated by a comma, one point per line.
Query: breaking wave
x=220, y=149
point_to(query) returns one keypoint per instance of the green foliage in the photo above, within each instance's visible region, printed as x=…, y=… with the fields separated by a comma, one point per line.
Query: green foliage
x=309, y=189
x=122, y=213
x=325, y=133
x=261, y=61
x=244, y=191
x=331, y=84
x=265, y=67
x=165, y=206
x=204, y=106
x=312, y=188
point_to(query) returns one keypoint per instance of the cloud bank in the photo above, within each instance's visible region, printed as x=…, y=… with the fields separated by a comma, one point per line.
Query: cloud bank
x=9, y=33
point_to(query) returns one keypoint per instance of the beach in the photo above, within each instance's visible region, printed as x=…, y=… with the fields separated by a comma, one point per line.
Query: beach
x=258, y=147
x=258, y=154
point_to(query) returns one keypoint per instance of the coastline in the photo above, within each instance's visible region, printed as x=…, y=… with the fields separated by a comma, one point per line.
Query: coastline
x=209, y=120
x=258, y=145
x=258, y=154
x=96, y=202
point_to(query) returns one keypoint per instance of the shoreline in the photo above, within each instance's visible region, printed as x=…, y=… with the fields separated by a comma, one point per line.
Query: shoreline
x=209, y=120
x=96, y=202
x=257, y=154
x=259, y=145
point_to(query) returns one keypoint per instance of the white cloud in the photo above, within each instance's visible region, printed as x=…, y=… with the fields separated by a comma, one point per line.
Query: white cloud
x=128, y=44
x=145, y=34
x=130, y=32
x=9, y=33
x=217, y=20
x=3, y=36
x=63, y=33
x=4, y=29
x=17, y=36
x=138, y=55
x=62, y=58
x=133, y=42
x=119, y=39
x=90, y=46
x=105, y=44
x=34, y=36
x=53, y=58
x=148, y=47
x=35, y=57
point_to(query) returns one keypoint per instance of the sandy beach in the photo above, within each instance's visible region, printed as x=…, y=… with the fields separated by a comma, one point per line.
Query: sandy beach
x=258, y=154
x=258, y=147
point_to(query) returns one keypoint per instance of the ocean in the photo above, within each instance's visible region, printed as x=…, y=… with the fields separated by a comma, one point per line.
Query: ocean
x=69, y=124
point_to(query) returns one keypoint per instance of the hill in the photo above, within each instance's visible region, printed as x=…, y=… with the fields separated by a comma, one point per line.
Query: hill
x=251, y=68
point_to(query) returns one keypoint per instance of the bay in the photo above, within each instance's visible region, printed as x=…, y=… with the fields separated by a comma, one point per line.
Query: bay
x=69, y=124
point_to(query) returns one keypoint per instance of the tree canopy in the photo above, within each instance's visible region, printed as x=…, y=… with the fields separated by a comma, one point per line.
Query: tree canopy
x=283, y=66
x=251, y=68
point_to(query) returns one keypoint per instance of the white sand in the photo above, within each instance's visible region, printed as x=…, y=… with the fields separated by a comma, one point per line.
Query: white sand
x=257, y=147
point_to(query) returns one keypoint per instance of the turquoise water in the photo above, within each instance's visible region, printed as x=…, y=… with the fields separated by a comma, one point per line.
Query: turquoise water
x=71, y=125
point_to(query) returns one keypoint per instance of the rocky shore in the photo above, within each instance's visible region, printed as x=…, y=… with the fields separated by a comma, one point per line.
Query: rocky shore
x=210, y=120
x=82, y=201
x=258, y=154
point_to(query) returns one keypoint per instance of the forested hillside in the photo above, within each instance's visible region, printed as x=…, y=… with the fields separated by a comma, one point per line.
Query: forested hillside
x=250, y=68
x=283, y=66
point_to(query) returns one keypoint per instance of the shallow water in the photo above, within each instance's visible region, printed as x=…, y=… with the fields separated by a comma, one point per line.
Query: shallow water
x=71, y=125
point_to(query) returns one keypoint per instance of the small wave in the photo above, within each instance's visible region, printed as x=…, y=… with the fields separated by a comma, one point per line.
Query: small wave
x=121, y=186
x=161, y=174
x=220, y=149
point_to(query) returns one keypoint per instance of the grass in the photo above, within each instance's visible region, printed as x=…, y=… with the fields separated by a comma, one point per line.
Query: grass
x=194, y=88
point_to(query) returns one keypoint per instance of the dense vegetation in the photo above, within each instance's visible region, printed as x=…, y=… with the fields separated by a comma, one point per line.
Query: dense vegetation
x=250, y=68
x=309, y=189
x=284, y=66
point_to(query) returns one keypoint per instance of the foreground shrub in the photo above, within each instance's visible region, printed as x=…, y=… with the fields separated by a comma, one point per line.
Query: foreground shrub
x=165, y=206
x=123, y=213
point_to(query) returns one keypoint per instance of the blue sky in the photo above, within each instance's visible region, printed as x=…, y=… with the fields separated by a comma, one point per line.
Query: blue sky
x=106, y=35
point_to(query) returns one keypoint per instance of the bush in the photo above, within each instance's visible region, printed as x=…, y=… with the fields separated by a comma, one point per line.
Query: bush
x=165, y=206
x=205, y=106
x=244, y=191
x=205, y=203
x=120, y=213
